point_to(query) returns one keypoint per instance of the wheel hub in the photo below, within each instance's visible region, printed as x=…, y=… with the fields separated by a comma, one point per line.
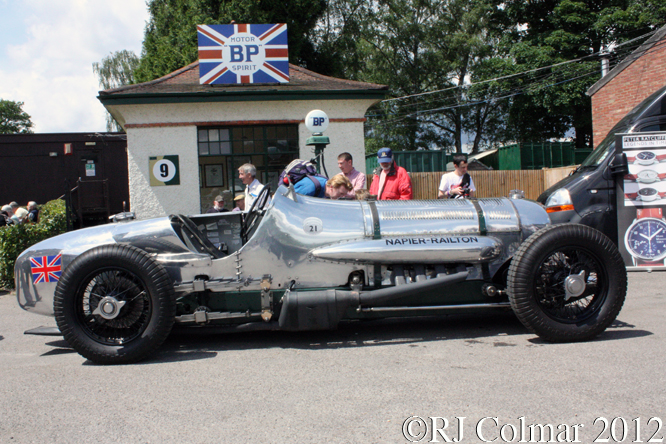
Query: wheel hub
x=109, y=307
x=574, y=285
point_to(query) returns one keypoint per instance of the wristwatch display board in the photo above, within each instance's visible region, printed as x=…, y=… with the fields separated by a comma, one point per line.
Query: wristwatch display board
x=641, y=200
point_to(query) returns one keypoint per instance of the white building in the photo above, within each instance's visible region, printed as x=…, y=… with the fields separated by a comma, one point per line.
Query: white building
x=213, y=129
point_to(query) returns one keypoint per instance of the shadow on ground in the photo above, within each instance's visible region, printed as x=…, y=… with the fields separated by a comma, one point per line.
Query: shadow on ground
x=496, y=328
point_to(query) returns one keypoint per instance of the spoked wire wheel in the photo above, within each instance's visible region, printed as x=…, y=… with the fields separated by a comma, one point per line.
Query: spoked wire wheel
x=114, y=304
x=567, y=283
x=570, y=285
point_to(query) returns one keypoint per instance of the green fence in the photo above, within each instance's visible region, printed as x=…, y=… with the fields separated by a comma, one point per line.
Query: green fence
x=414, y=161
x=519, y=156
x=534, y=156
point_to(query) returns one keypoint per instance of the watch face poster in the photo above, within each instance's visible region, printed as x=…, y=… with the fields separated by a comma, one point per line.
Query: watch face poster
x=641, y=200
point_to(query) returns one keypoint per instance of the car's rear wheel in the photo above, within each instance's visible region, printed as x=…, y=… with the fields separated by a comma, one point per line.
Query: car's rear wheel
x=567, y=283
x=114, y=304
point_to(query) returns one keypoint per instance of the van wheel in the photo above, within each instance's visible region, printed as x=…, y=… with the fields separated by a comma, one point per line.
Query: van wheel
x=114, y=304
x=567, y=283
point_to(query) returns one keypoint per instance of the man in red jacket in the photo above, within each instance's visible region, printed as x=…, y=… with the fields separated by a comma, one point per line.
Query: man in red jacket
x=390, y=182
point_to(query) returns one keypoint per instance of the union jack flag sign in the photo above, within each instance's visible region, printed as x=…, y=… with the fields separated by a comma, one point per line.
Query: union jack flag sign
x=45, y=268
x=243, y=54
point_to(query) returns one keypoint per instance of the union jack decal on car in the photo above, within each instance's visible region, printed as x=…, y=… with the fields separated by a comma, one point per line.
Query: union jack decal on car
x=45, y=268
x=243, y=54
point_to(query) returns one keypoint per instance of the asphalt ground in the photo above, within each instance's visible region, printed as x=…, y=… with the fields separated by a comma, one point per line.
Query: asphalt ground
x=364, y=383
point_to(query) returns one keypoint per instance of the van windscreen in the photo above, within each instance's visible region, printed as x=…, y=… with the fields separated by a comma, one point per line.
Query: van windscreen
x=597, y=156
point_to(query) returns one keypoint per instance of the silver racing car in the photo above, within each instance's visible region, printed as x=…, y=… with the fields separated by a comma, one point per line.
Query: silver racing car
x=303, y=263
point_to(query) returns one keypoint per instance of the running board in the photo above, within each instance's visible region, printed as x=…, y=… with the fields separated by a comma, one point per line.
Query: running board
x=434, y=307
x=204, y=317
x=43, y=331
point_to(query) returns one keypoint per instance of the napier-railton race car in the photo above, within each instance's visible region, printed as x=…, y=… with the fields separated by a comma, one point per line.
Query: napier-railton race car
x=303, y=263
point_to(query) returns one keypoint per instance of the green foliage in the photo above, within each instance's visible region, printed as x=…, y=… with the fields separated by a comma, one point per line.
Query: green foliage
x=116, y=70
x=13, y=120
x=167, y=47
x=543, y=33
x=14, y=239
x=430, y=50
x=419, y=46
x=424, y=49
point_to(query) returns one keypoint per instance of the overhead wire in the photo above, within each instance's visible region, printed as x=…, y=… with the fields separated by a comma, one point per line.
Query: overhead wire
x=566, y=62
x=511, y=92
x=452, y=102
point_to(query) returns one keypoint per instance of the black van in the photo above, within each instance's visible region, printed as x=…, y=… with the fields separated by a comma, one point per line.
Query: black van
x=587, y=196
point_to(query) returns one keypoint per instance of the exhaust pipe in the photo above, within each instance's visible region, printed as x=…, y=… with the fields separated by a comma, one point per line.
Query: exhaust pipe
x=385, y=294
x=323, y=310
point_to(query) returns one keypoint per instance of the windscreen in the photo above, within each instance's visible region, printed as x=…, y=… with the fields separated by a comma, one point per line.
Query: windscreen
x=597, y=156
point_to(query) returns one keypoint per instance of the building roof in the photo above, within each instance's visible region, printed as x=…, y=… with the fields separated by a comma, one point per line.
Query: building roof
x=183, y=85
x=631, y=58
x=59, y=137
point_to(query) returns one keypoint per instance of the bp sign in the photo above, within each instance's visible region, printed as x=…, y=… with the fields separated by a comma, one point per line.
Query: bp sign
x=243, y=54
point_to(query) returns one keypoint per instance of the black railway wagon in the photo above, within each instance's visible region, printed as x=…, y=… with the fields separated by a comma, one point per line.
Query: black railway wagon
x=42, y=167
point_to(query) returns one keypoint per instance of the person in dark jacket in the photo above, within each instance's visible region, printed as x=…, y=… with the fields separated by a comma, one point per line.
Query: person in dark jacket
x=390, y=181
x=218, y=206
x=33, y=212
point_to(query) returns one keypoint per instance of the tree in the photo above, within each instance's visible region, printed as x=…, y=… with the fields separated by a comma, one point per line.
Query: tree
x=337, y=39
x=167, y=48
x=543, y=33
x=425, y=51
x=116, y=70
x=13, y=120
x=429, y=51
x=400, y=51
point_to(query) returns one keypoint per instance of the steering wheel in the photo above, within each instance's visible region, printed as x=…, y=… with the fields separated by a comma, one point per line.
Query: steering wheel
x=207, y=245
x=252, y=217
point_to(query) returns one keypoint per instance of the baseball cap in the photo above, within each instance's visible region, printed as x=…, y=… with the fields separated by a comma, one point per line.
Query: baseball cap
x=385, y=155
x=239, y=197
x=219, y=199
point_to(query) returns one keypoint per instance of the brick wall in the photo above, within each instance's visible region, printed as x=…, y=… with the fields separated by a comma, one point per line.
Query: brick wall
x=629, y=88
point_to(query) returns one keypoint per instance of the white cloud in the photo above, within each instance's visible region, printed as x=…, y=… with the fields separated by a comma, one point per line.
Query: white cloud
x=50, y=70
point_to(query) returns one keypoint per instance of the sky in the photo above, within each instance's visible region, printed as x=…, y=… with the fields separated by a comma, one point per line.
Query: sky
x=47, y=48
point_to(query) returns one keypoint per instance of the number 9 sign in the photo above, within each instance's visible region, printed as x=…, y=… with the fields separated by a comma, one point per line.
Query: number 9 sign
x=164, y=171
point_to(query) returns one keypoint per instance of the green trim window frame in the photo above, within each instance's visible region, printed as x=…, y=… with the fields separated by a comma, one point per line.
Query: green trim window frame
x=268, y=147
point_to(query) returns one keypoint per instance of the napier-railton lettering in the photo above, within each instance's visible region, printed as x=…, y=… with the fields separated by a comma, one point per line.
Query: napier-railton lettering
x=432, y=240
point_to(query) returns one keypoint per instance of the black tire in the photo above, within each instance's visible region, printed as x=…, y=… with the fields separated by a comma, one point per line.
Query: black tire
x=537, y=277
x=123, y=273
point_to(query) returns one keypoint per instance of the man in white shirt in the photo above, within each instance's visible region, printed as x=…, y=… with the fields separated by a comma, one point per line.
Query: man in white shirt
x=455, y=185
x=247, y=173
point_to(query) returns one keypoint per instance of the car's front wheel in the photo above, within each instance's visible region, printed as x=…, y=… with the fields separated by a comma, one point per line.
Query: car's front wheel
x=567, y=283
x=114, y=304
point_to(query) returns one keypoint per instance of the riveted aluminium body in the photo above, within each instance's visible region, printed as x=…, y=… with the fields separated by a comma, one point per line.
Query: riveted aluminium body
x=304, y=242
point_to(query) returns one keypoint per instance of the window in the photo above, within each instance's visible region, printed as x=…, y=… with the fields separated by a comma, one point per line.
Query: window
x=270, y=148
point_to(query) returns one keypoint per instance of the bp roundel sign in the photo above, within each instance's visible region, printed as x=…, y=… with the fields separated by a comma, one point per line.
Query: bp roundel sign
x=316, y=121
x=164, y=170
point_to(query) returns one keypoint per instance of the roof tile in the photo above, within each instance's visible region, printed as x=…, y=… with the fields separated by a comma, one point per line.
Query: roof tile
x=186, y=80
